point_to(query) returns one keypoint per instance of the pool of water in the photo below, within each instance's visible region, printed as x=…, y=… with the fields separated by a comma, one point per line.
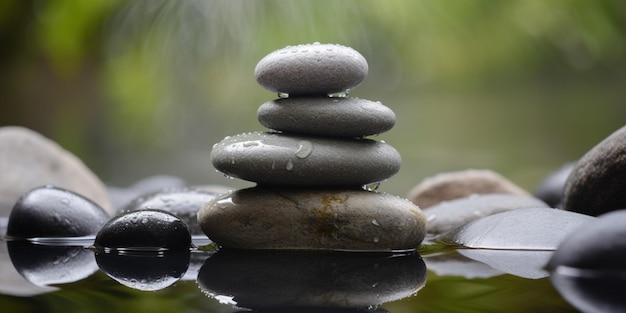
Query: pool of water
x=50, y=276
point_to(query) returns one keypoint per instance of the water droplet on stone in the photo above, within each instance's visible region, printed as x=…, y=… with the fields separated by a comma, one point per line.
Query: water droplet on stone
x=65, y=201
x=340, y=94
x=283, y=95
x=289, y=165
x=375, y=222
x=144, y=221
x=316, y=43
x=305, y=148
x=372, y=186
x=375, y=239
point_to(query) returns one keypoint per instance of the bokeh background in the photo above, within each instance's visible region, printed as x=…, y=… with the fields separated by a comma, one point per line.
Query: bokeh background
x=144, y=87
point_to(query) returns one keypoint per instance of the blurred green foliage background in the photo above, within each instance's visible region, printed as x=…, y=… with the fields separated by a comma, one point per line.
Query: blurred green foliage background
x=143, y=87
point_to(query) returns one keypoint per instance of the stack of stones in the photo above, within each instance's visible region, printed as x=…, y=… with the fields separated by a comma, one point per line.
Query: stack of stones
x=313, y=167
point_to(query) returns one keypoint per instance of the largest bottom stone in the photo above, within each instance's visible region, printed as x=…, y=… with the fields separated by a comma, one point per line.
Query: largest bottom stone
x=280, y=218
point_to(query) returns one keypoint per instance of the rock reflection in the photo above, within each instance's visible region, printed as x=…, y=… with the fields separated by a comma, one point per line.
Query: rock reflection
x=12, y=282
x=591, y=290
x=523, y=263
x=280, y=281
x=318, y=310
x=454, y=264
x=44, y=265
x=144, y=271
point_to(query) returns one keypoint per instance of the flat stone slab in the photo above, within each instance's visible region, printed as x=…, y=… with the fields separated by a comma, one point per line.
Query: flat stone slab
x=522, y=229
x=323, y=116
x=282, y=218
x=290, y=160
x=311, y=69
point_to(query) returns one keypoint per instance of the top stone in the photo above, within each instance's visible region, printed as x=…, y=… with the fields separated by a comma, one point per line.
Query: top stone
x=311, y=69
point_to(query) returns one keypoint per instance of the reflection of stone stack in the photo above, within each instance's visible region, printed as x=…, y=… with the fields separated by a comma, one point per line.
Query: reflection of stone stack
x=311, y=168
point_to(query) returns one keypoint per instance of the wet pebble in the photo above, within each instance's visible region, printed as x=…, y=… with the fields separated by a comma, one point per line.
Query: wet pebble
x=460, y=184
x=448, y=215
x=597, y=245
x=522, y=229
x=29, y=160
x=596, y=184
x=550, y=190
x=280, y=159
x=311, y=69
x=264, y=218
x=340, y=117
x=121, y=196
x=145, y=230
x=54, y=212
x=183, y=202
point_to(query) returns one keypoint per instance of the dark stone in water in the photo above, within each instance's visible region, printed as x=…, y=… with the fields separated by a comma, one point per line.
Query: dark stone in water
x=270, y=279
x=146, y=272
x=592, y=291
x=182, y=202
x=49, y=265
x=323, y=116
x=145, y=230
x=596, y=184
x=550, y=190
x=54, y=212
x=599, y=244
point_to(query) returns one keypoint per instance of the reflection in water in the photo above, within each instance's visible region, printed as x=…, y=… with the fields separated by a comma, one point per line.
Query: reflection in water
x=591, y=290
x=45, y=265
x=12, y=282
x=522, y=263
x=310, y=281
x=144, y=271
x=454, y=264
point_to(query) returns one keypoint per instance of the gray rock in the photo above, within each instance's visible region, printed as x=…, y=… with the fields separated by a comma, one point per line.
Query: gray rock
x=522, y=229
x=596, y=184
x=599, y=245
x=448, y=215
x=183, y=202
x=29, y=160
x=265, y=218
x=280, y=159
x=311, y=69
x=550, y=190
x=460, y=184
x=54, y=212
x=323, y=116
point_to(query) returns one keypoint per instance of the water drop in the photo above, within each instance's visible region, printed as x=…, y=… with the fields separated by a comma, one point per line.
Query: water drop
x=340, y=94
x=273, y=165
x=316, y=43
x=250, y=144
x=375, y=239
x=304, y=50
x=144, y=221
x=305, y=148
x=289, y=165
x=372, y=186
x=65, y=201
x=283, y=95
x=335, y=101
x=375, y=222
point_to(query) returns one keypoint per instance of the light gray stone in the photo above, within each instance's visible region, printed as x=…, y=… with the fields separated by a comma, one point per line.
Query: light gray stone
x=29, y=160
x=460, y=184
x=596, y=184
x=522, y=229
x=273, y=218
x=448, y=215
x=311, y=69
x=290, y=160
x=323, y=116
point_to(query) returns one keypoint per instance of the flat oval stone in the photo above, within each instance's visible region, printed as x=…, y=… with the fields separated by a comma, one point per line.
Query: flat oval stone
x=522, y=229
x=596, y=184
x=460, y=184
x=145, y=230
x=599, y=245
x=311, y=69
x=448, y=215
x=281, y=159
x=323, y=116
x=273, y=218
x=54, y=212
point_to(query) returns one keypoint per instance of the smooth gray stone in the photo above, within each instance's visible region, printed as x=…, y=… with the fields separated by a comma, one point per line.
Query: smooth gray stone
x=448, y=215
x=333, y=219
x=29, y=160
x=311, y=69
x=289, y=160
x=551, y=187
x=323, y=116
x=526, y=264
x=522, y=229
x=460, y=184
x=596, y=184
x=599, y=244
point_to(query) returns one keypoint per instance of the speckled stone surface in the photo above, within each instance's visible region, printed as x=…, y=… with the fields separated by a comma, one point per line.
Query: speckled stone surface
x=596, y=184
x=280, y=159
x=281, y=218
x=460, y=184
x=311, y=69
x=336, y=117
